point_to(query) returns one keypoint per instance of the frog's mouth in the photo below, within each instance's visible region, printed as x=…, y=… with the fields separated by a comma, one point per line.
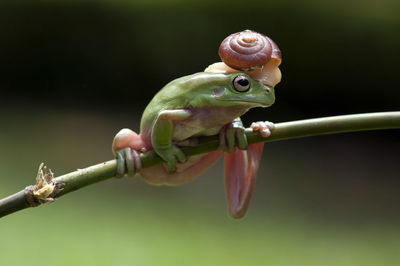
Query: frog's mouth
x=219, y=92
x=255, y=103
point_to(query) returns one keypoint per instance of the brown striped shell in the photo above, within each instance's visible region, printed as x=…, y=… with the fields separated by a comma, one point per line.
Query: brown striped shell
x=248, y=50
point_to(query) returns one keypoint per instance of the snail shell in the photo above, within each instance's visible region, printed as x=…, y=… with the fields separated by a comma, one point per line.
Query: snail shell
x=252, y=53
x=248, y=50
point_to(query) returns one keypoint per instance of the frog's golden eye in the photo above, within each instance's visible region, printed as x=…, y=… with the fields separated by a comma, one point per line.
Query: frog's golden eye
x=241, y=83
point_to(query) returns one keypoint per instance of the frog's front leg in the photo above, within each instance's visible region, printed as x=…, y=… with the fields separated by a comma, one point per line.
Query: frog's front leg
x=241, y=166
x=161, y=137
x=127, y=144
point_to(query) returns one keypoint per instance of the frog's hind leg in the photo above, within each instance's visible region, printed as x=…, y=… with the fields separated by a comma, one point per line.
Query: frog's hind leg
x=127, y=146
x=241, y=168
x=240, y=176
x=192, y=168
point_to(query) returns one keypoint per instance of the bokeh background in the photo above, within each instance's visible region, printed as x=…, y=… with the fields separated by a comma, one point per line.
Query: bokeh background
x=73, y=72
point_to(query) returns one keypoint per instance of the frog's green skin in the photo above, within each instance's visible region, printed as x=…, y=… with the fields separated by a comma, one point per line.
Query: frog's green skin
x=197, y=105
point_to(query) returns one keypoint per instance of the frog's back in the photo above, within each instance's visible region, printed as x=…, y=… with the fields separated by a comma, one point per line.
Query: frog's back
x=169, y=97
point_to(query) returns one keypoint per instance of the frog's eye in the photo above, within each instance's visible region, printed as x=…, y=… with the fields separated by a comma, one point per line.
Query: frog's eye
x=241, y=83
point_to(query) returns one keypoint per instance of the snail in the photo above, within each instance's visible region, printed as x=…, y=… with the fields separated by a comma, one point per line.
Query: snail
x=250, y=52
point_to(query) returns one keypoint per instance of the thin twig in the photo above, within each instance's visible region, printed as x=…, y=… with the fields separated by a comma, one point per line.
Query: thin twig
x=100, y=172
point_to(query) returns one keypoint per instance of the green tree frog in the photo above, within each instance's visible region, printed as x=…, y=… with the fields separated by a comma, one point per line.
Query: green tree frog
x=201, y=104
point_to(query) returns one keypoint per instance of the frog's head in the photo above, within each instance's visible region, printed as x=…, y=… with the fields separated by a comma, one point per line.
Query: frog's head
x=240, y=88
x=216, y=89
x=236, y=89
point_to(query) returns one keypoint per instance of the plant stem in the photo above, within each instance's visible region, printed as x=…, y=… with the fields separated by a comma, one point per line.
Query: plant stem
x=289, y=130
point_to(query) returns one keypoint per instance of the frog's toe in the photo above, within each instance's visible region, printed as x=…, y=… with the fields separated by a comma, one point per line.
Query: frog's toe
x=241, y=138
x=179, y=155
x=128, y=162
x=171, y=166
x=230, y=138
x=226, y=140
x=120, y=163
x=270, y=125
x=264, y=128
x=170, y=163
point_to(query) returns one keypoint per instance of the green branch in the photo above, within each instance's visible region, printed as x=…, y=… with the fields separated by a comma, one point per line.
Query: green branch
x=47, y=188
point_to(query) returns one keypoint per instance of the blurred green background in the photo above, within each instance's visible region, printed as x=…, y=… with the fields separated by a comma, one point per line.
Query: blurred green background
x=72, y=73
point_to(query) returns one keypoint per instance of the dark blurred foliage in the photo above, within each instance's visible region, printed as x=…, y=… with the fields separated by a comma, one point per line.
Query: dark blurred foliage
x=117, y=55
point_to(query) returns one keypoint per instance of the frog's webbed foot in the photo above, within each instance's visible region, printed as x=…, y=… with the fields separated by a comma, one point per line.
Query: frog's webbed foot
x=231, y=135
x=264, y=128
x=127, y=146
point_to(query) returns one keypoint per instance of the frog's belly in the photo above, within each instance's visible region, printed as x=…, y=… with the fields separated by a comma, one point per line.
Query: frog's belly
x=185, y=131
x=206, y=121
x=198, y=125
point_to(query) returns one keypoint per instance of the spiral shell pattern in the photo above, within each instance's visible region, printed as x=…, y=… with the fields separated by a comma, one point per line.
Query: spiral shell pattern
x=248, y=50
